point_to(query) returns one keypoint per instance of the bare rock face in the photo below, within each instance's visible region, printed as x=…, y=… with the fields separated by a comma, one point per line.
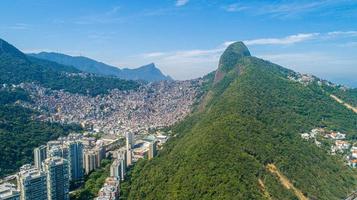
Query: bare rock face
x=230, y=58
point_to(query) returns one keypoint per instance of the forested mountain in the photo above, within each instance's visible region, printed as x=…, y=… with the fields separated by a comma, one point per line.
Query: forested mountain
x=147, y=72
x=243, y=142
x=16, y=67
x=20, y=132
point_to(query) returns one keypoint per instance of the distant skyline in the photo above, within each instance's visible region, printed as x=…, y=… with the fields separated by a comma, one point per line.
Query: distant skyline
x=186, y=37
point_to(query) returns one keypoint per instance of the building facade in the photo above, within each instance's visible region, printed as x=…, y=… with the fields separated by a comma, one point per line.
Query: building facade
x=40, y=154
x=89, y=161
x=152, y=150
x=32, y=183
x=75, y=159
x=57, y=173
x=115, y=169
x=8, y=191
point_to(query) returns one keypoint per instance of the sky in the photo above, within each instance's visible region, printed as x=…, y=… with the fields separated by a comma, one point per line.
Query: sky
x=185, y=38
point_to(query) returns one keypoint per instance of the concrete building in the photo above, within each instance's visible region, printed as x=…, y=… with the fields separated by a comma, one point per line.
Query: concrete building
x=129, y=146
x=89, y=161
x=115, y=169
x=92, y=158
x=32, y=183
x=110, y=190
x=129, y=157
x=152, y=150
x=57, y=172
x=100, y=154
x=75, y=160
x=40, y=154
x=8, y=191
x=121, y=157
x=129, y=140
x=51, y=144
x=55, y=151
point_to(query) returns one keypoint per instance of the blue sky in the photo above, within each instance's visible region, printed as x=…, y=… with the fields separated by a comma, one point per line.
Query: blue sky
x=186, y=37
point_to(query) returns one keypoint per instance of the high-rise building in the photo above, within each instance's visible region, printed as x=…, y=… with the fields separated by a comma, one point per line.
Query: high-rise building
x=32, y=183
x=8, y=191
x=55, y=151
x=152, y=150
x=129, y=147
x=75, y=160
x=100, y=153
x=129, y=157
x=57, y=173
x=40, y=155
x=92, y=158
x=51, y=144
x=115, y=169
x=121, y=157
x=89, y=161
x=129, y=140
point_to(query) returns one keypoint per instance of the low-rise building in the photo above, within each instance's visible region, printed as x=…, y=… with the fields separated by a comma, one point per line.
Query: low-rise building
x=110, y=189
x=8, y=191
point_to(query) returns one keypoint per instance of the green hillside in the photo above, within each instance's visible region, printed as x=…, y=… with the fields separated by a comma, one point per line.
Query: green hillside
x=16, y=67
x=250, y=119
x=20, y=133
x=349, y=95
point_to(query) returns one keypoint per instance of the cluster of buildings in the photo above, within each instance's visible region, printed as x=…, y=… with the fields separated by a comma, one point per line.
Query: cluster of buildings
x=124, y=158
x=338, y=143
x=153, y=105
x=307, y=79
x=57, y=164
x=64, y=162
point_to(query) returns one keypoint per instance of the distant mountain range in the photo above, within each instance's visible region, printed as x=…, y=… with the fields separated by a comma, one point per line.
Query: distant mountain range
x=16, y=67
x=147, y=72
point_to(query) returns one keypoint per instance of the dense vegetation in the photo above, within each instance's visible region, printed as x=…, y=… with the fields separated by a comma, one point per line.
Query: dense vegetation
x=252, y=118
x=348, y=95
x=94, y=181
x=20, y=133
x=16, y=67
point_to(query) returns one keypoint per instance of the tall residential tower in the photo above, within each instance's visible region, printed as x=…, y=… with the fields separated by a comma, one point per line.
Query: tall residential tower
x=40, y=155
x=32, y=183
x=57, y=172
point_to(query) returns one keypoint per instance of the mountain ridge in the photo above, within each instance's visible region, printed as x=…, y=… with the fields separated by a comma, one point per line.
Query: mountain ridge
x=16, y=68
x=92, y=66
x=250, y=123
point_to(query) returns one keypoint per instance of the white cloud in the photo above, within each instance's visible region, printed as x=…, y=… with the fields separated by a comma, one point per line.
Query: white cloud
x=192, y=63
x=153, y=54
x=181, y=2
x=235, y=8
x=291, y=39
x=343, y=33
x=293, y=8
x=287, y=9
